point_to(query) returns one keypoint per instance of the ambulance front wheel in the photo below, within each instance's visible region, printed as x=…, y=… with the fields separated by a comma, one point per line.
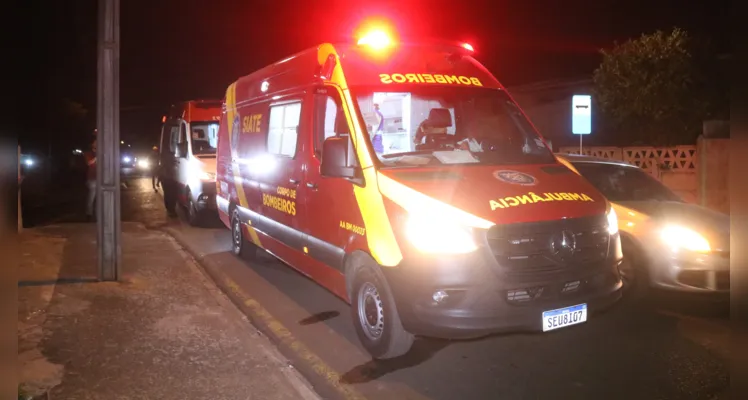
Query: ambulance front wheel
x=375, y=315
x=239, y=245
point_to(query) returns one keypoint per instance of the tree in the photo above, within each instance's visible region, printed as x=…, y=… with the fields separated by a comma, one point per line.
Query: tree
x=73, y=110
x=657, y=89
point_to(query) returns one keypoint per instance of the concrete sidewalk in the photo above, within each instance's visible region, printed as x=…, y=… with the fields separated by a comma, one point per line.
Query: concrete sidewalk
x=164, y=332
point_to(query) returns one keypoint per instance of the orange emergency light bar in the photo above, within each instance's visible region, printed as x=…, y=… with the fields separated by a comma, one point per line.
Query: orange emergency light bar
x=378, y=37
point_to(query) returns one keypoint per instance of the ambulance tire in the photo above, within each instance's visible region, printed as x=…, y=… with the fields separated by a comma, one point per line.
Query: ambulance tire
x=375, y=315
x=239, y=244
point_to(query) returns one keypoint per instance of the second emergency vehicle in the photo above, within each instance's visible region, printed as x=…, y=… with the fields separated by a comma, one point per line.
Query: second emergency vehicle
x=404, y=179
x=189, y=138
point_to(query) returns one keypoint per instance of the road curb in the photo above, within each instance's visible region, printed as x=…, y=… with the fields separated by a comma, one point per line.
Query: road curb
x=302, y=386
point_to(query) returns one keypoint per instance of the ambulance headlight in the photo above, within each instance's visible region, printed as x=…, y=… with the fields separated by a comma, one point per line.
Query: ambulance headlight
x=207, y=176
x=431, y=235
x=612, y=221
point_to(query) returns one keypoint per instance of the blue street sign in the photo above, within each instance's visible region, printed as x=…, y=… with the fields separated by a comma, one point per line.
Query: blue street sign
x=581, y=114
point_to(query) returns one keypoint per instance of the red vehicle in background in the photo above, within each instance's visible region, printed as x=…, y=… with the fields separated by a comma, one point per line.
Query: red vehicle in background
x=189, y=139
x=404, y=178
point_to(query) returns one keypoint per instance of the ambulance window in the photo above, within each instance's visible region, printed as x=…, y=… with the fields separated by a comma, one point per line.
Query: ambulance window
x=282, y=132
x=327, y=111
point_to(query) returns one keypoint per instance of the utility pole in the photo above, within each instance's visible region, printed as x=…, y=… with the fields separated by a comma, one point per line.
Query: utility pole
x=107, y=154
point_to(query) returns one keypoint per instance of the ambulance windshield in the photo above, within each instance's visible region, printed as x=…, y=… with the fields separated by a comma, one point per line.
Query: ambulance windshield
x=441, y=125
x=204, y=138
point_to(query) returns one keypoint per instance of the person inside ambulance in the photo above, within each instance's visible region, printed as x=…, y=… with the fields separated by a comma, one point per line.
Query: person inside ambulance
x=432, y=131
x=376, y=140
x=485, y=126
x=489, y=118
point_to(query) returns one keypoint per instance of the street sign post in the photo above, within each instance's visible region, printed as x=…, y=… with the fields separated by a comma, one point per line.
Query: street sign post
x=107, y=163
x=581, y=116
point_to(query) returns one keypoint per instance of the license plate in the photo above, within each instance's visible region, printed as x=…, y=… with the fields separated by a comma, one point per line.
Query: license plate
x=564, y=317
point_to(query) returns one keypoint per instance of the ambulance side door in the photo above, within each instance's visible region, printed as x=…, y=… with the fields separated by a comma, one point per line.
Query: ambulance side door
x=278, y=184
x=182, y=163
x=332, y=217
x=168, y=149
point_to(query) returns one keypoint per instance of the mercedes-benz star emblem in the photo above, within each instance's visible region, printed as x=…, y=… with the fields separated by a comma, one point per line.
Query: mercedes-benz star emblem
x=563, y=244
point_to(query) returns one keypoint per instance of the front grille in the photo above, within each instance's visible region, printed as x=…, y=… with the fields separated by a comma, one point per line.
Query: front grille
x=561, y=290
x=549, y=247
x=524, y=295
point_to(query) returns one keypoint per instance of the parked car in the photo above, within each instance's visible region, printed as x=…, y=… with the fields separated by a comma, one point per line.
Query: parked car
x=667, y=243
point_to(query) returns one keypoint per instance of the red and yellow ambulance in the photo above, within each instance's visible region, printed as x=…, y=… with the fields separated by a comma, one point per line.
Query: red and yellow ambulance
x=403, y=178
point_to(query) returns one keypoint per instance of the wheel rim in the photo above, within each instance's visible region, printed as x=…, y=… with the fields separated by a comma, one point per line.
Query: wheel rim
x=237, y=233
x=370, y=311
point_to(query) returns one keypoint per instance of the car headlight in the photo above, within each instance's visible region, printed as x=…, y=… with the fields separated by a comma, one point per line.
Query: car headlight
x=612, y=221
x=126, y=159
x=144, y=164
x=684, y=238
x=431, y=235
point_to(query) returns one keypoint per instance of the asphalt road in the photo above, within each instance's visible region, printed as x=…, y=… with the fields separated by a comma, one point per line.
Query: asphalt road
x=669, y=347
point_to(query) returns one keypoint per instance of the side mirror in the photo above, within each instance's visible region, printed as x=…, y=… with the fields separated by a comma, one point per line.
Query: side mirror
x=335, y=158
x=182, y=150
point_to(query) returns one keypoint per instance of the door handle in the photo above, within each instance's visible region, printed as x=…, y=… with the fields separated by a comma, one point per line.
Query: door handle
x=311, y=185
x=293, y=181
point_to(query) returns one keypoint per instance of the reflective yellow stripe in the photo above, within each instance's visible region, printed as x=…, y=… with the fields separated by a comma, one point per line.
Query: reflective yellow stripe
x=253, y=234
x=379, y=235
x=414, y=201
x=231, y=112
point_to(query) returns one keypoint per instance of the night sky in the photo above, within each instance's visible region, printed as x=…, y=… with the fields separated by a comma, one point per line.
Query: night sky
x=178, y=50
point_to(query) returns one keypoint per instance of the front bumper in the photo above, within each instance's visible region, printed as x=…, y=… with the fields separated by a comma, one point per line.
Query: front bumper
x=690, y=272
x=484, y=300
